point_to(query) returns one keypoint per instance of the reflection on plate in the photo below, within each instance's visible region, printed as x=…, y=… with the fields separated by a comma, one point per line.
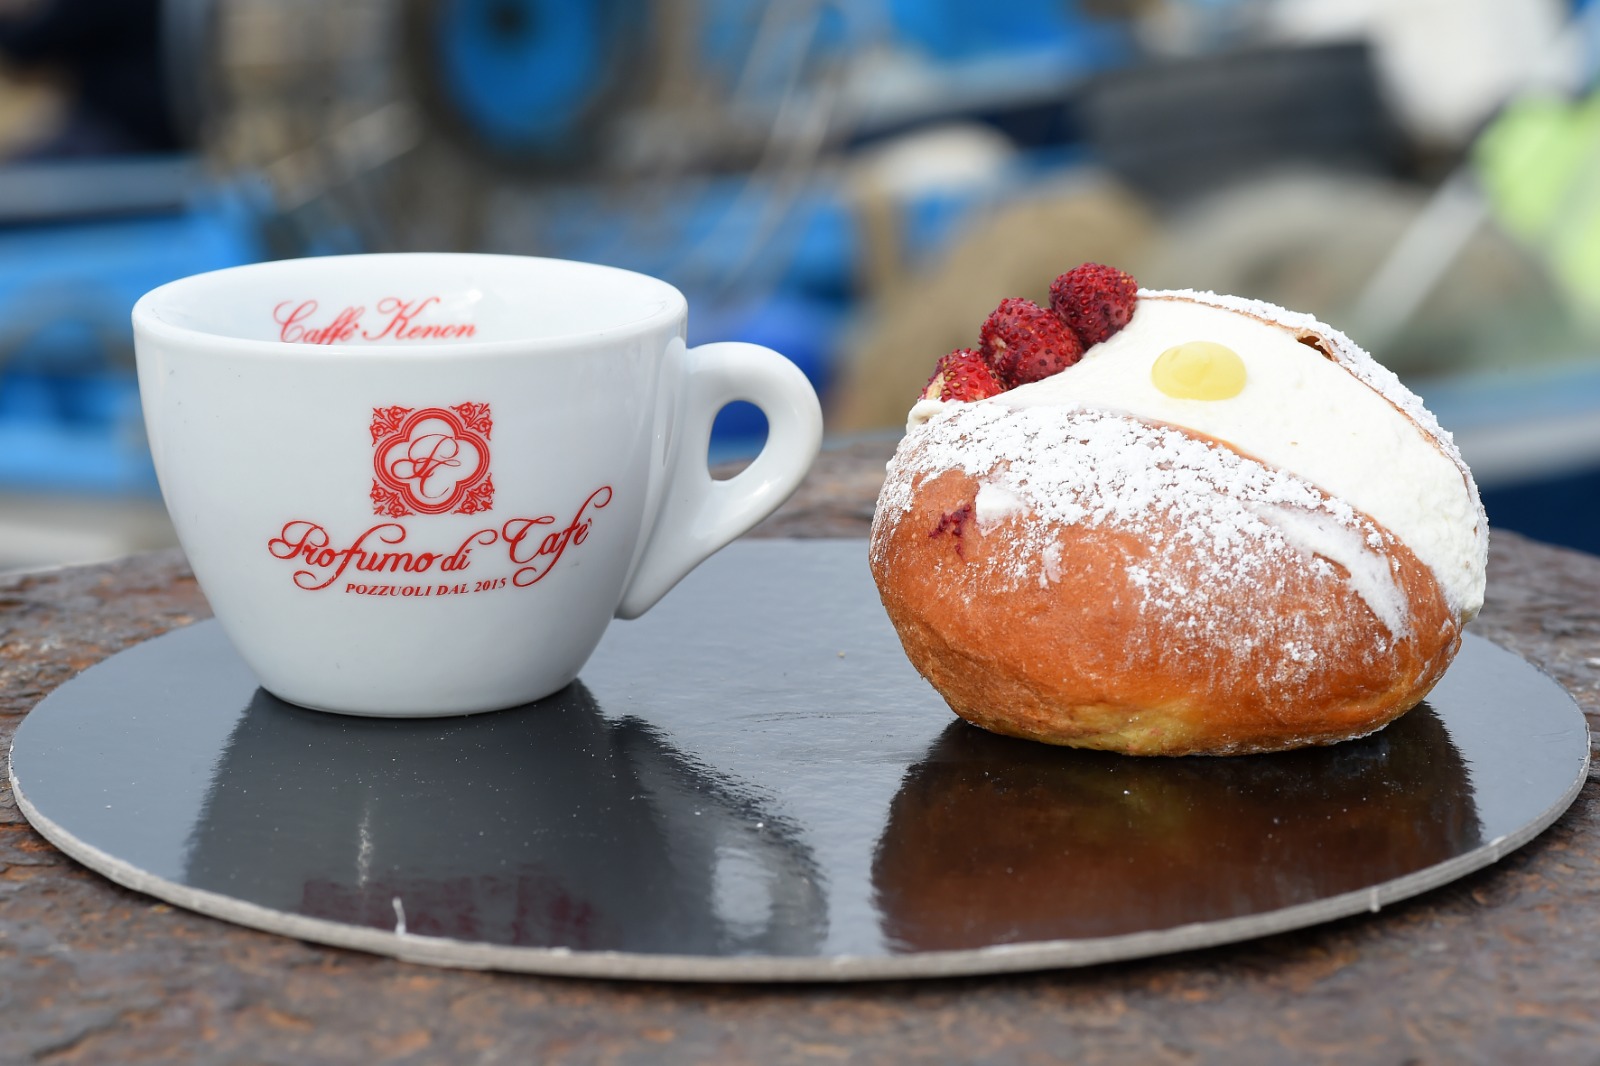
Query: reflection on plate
x=1093, y=844
x=547, y=825
x=750, y=783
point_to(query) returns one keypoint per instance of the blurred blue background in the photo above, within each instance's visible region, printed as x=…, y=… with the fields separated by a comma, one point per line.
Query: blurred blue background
x=855, y=183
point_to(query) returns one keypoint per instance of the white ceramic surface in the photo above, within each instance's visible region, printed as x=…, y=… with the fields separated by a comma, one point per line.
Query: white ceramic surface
x=424, y=484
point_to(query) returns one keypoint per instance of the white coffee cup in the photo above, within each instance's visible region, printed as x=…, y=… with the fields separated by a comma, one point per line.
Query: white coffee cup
x=423, y=484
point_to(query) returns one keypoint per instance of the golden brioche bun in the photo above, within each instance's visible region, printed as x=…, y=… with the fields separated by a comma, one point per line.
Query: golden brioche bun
x=1083, y=576
x=1087, y=658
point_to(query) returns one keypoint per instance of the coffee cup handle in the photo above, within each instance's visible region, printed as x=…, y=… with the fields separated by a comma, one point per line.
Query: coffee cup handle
x=698, y=514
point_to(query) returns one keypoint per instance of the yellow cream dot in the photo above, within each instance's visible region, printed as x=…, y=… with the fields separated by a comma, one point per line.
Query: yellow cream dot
x=1199, y=370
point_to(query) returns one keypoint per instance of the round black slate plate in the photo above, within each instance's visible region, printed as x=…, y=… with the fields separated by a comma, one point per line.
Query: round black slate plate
x=750, y=783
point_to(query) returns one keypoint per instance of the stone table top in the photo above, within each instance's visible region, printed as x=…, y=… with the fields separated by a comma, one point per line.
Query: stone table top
x=1501, y=966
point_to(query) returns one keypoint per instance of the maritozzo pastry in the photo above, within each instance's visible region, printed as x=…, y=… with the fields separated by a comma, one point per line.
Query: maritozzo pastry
x=1171, y=522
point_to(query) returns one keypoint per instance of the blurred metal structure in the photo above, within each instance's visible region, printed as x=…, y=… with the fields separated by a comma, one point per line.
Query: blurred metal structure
x=1457, y=209
x=715, y=143
x=804, y=170
x=698, y=140
x=479, y=123
x=398, y=123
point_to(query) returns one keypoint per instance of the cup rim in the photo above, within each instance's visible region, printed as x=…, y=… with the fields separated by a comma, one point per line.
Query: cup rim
x=147, y=321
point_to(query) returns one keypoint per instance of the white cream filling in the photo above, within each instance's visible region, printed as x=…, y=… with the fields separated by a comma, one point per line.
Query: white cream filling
x=1301, y=412
x=1318, y=533
x=994, y=504
x=923, y=410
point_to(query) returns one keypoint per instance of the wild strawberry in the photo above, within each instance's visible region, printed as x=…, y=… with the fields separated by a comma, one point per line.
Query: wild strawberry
x=1024, y=342
x=1094, y=301
x=961, y=376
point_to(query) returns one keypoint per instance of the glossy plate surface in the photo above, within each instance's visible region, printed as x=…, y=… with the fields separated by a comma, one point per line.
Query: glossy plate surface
x=751, y=783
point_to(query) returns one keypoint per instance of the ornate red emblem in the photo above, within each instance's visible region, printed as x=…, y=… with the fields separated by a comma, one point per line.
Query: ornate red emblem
x=431, y=460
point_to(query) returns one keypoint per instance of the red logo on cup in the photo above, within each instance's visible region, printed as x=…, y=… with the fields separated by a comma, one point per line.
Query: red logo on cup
x=431, y=460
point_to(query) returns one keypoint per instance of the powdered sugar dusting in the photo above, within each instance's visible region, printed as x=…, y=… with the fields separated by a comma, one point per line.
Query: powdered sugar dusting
x=1350, y=355
x=1369, y=573
x=1050, y=564
x=1300, y=410
x=1074, y=466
